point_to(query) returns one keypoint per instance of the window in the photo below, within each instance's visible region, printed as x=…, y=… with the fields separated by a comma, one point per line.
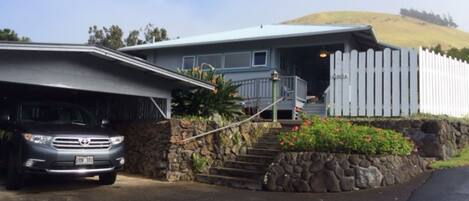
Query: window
x=188, y=62
x=259, y=58
x=213, y=59
x=238, y=60
x=56, y=114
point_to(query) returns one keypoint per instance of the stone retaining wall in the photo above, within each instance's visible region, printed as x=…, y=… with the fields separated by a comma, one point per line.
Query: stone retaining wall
x=152, y=148
x=326, y=172
x=441, y=139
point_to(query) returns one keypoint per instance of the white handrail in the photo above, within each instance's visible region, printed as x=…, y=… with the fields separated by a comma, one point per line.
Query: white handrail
x=233, y=124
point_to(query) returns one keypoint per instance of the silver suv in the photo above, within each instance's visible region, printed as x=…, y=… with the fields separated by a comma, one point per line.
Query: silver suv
x=56, y=139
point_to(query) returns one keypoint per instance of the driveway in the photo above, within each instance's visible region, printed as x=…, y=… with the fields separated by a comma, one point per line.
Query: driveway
x=134, y=188
x=445, y=185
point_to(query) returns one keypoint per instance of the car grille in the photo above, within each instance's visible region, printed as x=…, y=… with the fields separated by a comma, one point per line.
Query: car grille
x=81, y=143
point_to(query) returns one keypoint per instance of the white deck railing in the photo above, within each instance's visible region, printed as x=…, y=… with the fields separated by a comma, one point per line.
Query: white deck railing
x=258, y=92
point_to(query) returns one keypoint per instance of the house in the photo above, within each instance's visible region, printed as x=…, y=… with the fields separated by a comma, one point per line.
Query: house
x=341, y=70
x=117, y=86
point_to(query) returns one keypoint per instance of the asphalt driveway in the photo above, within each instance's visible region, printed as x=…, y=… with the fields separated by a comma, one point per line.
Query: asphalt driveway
x=133, y=188
x=445, y=185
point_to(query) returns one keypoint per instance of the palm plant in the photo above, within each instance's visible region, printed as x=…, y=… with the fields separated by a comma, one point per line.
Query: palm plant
x=224, y=100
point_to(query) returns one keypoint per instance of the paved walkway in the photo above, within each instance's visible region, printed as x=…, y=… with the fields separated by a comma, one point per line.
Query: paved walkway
x=445, y=185
x=132, y=188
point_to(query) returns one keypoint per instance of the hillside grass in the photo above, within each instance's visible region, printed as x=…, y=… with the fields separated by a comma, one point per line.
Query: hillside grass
x=460, y=160
x=394, y=29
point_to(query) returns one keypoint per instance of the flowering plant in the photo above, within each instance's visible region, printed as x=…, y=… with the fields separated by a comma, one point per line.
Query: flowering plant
x=336, y=135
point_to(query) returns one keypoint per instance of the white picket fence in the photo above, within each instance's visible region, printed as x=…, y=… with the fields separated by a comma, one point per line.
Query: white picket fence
x=393, y=83
x=444, y=85
x=381, y=83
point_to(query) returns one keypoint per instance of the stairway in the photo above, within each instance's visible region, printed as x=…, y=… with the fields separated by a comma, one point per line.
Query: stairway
x=315, y=109
x=248, y=170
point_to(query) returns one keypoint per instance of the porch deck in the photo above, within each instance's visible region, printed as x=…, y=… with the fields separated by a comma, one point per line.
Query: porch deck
x=257, y=93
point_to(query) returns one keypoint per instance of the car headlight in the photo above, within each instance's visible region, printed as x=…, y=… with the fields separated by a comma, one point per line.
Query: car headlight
x=117, y=139
x=38, y=139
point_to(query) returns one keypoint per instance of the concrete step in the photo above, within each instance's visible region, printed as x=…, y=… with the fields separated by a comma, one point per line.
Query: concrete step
x=313, y=108
x=263, y=151
x=309, y=105
x=255, y=158
x=236, y=182
x=270, y=136
x=236, y=172
x=267, y=146
x=268, y=141
x=246, y=165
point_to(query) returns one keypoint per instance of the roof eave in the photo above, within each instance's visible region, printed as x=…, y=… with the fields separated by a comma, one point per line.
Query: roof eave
x=150, y=47
x=128, y=59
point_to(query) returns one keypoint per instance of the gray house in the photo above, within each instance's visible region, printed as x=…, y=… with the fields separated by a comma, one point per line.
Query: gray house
x=300, y=53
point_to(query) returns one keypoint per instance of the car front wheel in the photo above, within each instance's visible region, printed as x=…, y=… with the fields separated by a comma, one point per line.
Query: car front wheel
x=107, y=178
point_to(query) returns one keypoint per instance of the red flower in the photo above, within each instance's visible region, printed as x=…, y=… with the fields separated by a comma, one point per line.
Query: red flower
x=296, y=128
x=307, y=123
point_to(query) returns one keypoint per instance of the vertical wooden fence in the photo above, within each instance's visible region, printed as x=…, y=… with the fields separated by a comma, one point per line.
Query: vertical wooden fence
x=444, y=85
x=374, y=83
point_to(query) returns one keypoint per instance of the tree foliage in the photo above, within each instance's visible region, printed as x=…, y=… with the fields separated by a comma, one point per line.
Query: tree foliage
x=133, y=38
x=108, y=37
x=10, y=35
x=224, y=101
x=462, y=54
x=112, y=37
x=430, y=17
x=154, y=34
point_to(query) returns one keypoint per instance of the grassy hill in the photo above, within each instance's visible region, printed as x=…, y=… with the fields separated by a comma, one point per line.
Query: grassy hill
x=394, y=29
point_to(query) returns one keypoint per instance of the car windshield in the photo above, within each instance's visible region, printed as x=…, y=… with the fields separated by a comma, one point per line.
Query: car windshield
x=56, y=114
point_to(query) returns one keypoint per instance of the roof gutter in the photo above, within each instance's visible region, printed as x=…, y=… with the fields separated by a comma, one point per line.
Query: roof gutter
x=109, y=54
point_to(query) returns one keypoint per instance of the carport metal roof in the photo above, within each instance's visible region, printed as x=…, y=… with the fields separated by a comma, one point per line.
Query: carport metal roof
x=110, y=55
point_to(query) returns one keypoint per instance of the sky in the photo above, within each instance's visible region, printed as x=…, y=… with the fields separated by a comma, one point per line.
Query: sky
x=67, y=21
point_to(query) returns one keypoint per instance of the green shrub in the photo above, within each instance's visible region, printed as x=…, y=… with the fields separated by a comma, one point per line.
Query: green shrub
x=224, y=100
x=199, y=163
x=335, y=135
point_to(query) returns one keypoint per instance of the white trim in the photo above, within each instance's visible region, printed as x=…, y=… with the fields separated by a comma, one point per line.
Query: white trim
x=143, y=65
x=238, y=67
x=158, y=107
x=193, y=62
x=253, y=58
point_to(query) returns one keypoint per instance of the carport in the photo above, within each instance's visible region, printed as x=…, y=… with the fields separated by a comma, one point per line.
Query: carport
x=115, y=85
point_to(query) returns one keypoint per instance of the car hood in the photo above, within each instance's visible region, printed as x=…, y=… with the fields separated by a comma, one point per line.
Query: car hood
x=66, y=129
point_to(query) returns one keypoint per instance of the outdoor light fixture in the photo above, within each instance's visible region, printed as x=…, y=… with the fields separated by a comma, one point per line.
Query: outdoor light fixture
x=275, y=75
x=323, y=53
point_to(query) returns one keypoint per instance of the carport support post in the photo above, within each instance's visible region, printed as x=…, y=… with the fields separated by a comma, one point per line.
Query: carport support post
x=275, y=77
x=168, y=108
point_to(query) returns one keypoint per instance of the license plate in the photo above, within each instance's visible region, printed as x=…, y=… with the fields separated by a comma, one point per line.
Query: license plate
x=84, y=160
